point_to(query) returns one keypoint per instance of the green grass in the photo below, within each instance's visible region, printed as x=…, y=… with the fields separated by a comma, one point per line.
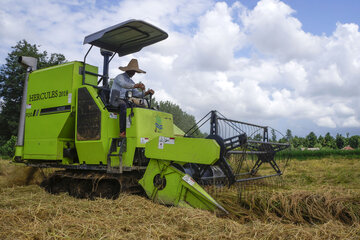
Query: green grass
x=319, y=154
x=326, y=172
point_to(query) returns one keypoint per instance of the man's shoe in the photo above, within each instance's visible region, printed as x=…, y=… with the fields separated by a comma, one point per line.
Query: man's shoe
x=122, y=135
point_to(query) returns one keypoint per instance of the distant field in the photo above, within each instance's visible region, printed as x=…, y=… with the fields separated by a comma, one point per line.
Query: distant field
x=319, y=154
x=318, y=199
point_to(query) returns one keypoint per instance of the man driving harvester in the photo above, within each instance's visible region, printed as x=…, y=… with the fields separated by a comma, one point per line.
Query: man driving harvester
x=123, y=83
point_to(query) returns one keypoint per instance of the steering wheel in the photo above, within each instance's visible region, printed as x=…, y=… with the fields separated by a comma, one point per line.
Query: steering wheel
x=149, y=104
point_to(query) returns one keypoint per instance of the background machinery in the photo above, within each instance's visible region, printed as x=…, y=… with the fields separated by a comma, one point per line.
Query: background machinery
x=67, y=122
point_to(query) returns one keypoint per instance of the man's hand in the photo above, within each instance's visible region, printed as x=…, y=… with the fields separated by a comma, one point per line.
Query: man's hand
x=150, y=91
x=139, y=85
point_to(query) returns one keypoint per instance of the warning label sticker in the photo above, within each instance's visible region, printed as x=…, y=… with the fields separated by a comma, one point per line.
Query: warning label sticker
x=188, y=179
x=169, y=141
x=144, y=140
x=165, y=140
x=113, y=115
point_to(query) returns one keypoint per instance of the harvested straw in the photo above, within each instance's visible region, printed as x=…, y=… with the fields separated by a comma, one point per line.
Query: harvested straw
x=296, y=206
x=14, y=175
x=31, y=213
x=28, y=212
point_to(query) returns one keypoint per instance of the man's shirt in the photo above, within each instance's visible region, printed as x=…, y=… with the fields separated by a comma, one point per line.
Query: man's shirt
x=123, y=83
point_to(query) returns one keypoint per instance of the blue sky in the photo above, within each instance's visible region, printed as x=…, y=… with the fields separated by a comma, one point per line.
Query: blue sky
x=319, y=16
x=286, y=64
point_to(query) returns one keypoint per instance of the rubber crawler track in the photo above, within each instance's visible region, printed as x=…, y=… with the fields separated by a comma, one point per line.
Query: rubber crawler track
x=88, y=184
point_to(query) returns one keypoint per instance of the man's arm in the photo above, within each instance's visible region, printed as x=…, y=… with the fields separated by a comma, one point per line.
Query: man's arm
x=122, y=82
x=128, y=83
x=138, y=93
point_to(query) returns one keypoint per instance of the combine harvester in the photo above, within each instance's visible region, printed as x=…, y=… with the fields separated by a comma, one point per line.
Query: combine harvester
x=66, y=122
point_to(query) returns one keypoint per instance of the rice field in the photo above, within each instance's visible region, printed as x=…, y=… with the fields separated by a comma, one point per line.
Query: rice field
x=317, y=199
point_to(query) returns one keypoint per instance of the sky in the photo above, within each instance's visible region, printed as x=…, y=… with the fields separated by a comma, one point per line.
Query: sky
x=290, y=64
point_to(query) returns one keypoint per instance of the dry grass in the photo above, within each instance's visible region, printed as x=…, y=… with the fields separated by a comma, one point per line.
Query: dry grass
x=331, y=172
x=18, y=175
x=301, y=212
x=30, y=213
x=299, y=207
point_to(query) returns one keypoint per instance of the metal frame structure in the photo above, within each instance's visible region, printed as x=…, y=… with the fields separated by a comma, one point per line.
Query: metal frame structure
x=237, y=137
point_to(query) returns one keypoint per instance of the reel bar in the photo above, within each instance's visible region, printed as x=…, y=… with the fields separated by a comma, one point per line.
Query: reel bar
x=245, y=123
x=242, y=174
x=227, y=128
x=237, y=180
x=257, y=178
x=247, y=152
x=232, y=125
x=196, y=126
x=235, y=142
x=269, y=148
x=270, y=143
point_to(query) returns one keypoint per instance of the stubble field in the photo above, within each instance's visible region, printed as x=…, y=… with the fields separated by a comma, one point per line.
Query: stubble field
x=318, y=199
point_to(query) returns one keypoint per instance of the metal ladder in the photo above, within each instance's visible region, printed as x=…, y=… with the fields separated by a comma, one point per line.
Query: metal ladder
x=115, y=143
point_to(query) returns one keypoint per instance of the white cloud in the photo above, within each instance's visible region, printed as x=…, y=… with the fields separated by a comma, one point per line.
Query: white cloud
x=351, y=122
x=325, y=122
x=217, y=39
x=342, y=109
x=272, y=29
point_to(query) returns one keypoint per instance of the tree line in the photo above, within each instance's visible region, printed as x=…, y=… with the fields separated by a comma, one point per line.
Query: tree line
x=322, y=142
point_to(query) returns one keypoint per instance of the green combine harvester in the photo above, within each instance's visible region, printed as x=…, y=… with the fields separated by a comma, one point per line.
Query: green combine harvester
x=66, y=122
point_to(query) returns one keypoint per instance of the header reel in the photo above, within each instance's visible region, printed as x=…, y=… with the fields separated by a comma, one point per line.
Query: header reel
x=247, y=157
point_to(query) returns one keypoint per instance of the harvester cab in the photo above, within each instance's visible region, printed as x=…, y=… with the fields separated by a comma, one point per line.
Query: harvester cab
x=122, y=39
x=67, y=122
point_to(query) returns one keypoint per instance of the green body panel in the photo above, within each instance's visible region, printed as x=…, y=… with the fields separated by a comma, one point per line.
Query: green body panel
x=95, y=151
x=178, y=132
x=179, y=188
x=180, y=149
x=50, y=113
x=144, y=125
x=147, y=122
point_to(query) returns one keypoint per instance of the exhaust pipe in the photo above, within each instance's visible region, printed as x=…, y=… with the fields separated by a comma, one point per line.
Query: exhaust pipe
x=31, y=64
x=28, y=62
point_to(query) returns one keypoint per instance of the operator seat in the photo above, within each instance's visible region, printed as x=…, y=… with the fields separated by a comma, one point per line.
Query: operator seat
x=104, y=95
x=115, y=98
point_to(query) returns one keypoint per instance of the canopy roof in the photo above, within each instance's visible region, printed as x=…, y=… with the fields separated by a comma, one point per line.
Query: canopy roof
x=126, y=37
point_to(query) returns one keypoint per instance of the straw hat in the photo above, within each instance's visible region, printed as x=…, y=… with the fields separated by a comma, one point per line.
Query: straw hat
x=133, y=65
